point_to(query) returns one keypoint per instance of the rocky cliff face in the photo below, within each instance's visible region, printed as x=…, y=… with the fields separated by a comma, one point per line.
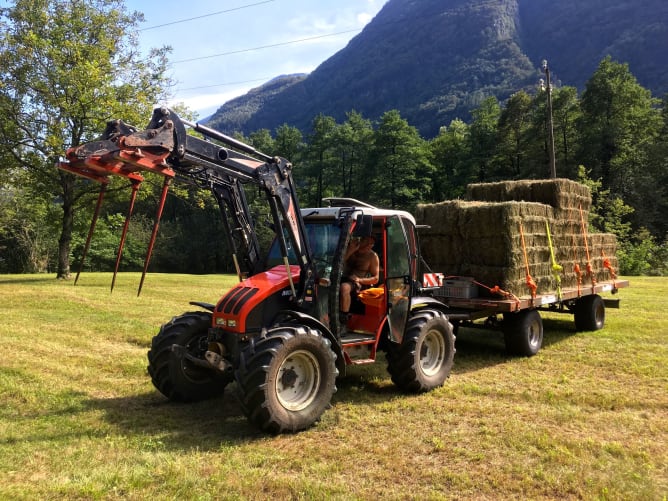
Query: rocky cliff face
x=436, y=60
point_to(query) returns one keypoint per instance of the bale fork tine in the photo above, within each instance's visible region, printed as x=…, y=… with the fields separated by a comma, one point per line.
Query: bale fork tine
x=154, y=234
x=135, y=188
x=100, y=197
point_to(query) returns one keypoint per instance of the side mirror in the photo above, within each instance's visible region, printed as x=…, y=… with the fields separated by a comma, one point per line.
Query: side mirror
x=363, y=226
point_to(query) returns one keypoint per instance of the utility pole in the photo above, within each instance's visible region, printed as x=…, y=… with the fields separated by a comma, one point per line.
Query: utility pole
x=550, y=128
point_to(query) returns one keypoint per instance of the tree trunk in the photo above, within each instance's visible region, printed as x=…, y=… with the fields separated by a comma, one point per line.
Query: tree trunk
x=65, y=240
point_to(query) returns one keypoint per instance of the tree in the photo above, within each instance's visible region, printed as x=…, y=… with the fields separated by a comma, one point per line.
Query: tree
x=657, y=166
x=403, y=165
x=320, y=158
x=288, y=143
x=566, y=111
x=483, y=133
x=262, y=141
x=450, y=154
x=66, y=67
x=353, y=141
x=514, y=121
x=619, y=124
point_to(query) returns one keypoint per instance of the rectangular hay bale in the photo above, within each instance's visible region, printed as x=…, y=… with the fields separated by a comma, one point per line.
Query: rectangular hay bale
x=481, y=237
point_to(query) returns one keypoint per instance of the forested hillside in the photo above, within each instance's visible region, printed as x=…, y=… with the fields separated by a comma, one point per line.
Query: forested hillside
x=436, y=60
x=611, y=133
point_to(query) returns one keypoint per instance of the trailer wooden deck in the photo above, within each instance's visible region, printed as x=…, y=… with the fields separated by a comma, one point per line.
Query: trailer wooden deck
x=480, y=307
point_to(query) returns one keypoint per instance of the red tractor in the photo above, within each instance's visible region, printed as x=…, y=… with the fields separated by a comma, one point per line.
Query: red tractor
x=277, y=333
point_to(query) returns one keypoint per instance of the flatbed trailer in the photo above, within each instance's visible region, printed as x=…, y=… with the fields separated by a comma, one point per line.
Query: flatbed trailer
x=521, y=323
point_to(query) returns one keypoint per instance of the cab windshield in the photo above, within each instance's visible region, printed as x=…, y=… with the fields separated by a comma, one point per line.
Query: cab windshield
x=323, y=239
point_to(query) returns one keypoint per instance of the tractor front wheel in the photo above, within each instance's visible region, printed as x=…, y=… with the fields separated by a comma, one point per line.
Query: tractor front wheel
x=286, y=379
x=424, y=358
x=174, y=374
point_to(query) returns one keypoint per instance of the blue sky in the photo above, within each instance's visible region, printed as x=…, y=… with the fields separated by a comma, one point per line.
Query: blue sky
x=222, y=49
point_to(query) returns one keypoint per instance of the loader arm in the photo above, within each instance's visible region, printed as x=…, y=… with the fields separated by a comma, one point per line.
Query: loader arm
x=166, y=149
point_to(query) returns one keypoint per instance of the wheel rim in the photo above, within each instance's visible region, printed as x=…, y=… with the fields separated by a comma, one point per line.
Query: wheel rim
x=298, y=380
x=432, y=352
x=534, y=333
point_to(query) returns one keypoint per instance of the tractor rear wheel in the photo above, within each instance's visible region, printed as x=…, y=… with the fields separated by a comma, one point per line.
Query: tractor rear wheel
x=175, y=376
x=286, y=379
x=424, y=358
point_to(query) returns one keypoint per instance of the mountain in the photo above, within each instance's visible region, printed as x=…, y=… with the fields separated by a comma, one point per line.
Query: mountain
x=435, y=60
x=238, y=111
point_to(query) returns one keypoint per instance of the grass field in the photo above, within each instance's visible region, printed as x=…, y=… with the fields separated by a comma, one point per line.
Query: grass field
x=587, y=418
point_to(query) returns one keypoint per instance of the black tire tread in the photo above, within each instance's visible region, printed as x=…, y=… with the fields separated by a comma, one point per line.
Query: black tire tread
x=252, y=374
x=403, y=360
x=515, y=329
x=584, y=314
x=160, y=359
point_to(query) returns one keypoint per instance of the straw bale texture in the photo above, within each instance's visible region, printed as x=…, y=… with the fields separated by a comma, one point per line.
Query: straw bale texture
x=558, y=193
x=482, y=237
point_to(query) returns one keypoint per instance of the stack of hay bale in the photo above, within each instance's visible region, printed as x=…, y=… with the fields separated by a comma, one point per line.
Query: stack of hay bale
x=482, y=237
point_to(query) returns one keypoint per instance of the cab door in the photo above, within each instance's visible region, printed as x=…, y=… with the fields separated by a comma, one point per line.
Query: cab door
x=398, y=281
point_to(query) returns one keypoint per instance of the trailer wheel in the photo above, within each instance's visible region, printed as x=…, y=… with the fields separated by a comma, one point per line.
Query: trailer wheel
x=286, y=379
x=176, y=377
x=523, y=332
x=589, y=313
x=424, y=358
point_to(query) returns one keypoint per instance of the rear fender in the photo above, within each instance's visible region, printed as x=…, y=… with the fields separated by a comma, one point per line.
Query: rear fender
x=421, y=302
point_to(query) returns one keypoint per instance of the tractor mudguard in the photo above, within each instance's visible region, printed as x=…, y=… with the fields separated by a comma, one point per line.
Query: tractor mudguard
x=419, y=302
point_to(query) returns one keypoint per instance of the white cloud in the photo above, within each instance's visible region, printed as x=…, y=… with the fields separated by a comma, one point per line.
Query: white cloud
x=363, y=18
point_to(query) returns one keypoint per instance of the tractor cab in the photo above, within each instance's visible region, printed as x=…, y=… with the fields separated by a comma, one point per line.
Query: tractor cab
x=377, y=309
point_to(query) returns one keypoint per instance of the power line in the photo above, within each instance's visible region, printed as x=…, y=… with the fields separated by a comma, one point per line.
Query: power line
x=261, y=47
x=226, y=83
x=204, y=16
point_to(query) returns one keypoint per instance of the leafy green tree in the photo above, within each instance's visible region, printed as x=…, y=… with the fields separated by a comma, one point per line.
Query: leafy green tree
x=66, y=67
x=289, y=143
x=619, y=124
x=320, y=160
x=483, y=135
x=514, y=121
x=353, y=141
x=26, y=228
x=403, y=164
x=657, y=166
x=451, y=158
x=565, y=114
x=262, y=141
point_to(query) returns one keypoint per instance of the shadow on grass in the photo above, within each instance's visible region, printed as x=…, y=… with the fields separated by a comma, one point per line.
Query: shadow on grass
x=32, y=279
x=183, y=426
x=208, y=424
x=154, y=422
x=479, y=348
